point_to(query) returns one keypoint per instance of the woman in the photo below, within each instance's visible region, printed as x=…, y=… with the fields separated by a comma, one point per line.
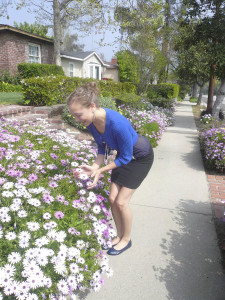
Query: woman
x=134, y=157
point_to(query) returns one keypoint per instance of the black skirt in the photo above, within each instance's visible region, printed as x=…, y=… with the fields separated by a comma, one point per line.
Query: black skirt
x=132, y=174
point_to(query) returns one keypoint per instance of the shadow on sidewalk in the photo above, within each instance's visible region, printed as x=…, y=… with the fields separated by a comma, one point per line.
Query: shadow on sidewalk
x=194, y=271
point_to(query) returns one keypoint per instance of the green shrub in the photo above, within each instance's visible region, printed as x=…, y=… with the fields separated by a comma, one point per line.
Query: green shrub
x=7, y=77
x=150, y=130
x=193, y=100
x=27, y=70
x=163, y=90
x=162, y=102
x=112, y=88
x=106, y=102
x=7, y=87
x=51, y=90
x=127, y=98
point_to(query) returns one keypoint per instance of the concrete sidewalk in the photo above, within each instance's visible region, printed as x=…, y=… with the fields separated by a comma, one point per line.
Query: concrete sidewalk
x=174, y=254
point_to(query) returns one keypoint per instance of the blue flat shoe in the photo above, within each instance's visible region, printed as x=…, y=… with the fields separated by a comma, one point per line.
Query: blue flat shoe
x=113, y=251
x=107, y=247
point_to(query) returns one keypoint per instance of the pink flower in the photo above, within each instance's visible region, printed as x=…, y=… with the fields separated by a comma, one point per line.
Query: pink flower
x=59, y=215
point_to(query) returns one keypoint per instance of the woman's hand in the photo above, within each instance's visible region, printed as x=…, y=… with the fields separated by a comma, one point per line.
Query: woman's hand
x=96, y=176
x=84, y=169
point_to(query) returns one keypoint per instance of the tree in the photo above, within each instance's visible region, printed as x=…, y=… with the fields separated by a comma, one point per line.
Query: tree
x=210, y=30
x=33, y=28
x=70, y=43
x=193, y=66
x=139, y=25
x=128, y=68
x=56, y=14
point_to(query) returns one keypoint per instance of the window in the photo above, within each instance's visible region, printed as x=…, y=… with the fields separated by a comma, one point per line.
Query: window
x=71, y=68
x=94, y=71
x=34, y=53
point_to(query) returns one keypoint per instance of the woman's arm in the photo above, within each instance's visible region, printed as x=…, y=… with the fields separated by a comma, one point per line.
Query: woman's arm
x=98, y=172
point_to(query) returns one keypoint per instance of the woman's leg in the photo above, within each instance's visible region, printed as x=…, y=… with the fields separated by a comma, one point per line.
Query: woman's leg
x=124, y=214
x=114, y=191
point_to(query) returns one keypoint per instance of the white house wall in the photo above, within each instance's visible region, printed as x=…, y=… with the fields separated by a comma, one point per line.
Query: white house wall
x=92, y=60
x=77, y=67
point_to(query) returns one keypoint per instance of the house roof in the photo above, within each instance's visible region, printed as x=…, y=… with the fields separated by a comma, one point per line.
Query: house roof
x=13, y=29
x=81, y=56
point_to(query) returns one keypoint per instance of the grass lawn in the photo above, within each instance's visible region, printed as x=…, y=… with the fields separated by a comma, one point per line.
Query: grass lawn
x=11, y=98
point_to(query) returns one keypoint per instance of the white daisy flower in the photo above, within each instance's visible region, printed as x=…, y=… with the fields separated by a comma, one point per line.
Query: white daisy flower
x=81, y=260
x=63, y=287
x=83, y=176
x=22, y=213
x=10, y=236
x=47, y=216
x=72, y=282
x=14, y=257
x=74, y=268
x=60, y=268
x=88, y=232
x=51, y=233
x=61, y=235
x=80, y=244
x=24, y=235
x=96, y=209
x=80, y=277
x=42, y=261
x=9, y=269
x=32, y=296
x=8, y=185
x=1, y=233
x=74, y=252
x=33, y=281
x=30, y=253
x=97, y=287
x=48, y=282
x=5, y=218
x=33, y=226
x=17, y=201
x=24, y=244
x=7, y=194
x=74, y=164
x=8, y=290
x=14, y=207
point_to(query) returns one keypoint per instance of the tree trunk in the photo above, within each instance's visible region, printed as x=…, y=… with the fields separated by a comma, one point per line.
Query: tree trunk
x=200, y=95
x=219, y=100
x=211, y=90
x=194, y=93
x=57, y=32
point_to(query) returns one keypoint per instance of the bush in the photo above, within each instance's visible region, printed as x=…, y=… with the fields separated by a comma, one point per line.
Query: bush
x=150, y=130
x=51, y=90
x=163, y=90
x=106, y=102
x=27, y=70
x=193, y=100
x=162, y=102
x=127, y=98
x=7, y=77
x=7, y=87
x=212, y=141
x=112, y=88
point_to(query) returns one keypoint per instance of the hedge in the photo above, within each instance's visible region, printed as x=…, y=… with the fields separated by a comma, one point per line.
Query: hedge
x=52, y=90
x=7, y=87
x=163, y=90
x=28, y=70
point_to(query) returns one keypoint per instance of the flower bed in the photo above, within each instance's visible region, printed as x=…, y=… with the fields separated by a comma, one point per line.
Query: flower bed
x=138, y=118
x=51, y=226
x=212, y=141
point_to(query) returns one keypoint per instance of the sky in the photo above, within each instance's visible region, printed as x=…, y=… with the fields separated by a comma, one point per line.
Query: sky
x=90, y=42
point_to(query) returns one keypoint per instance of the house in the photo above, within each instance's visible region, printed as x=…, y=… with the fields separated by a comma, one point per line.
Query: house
x=18, y=46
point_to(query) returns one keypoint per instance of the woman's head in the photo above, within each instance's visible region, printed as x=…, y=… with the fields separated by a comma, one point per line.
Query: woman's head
x=85, y=95
x=83, y=102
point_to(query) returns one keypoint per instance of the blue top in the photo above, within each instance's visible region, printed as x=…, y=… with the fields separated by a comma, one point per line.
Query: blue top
x=118, y=135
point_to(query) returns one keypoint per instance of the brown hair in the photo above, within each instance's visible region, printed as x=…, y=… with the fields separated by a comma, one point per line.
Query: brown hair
x=85, y=95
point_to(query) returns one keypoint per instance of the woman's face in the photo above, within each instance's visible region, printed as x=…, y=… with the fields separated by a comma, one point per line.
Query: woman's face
x=82, y=113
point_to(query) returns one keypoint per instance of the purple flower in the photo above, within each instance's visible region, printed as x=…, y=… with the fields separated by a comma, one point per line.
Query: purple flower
x=59, y=215
x=54, y=156
x=33, y=177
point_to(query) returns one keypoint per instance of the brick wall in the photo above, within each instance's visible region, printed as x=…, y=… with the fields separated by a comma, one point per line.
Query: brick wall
x=14, y=49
